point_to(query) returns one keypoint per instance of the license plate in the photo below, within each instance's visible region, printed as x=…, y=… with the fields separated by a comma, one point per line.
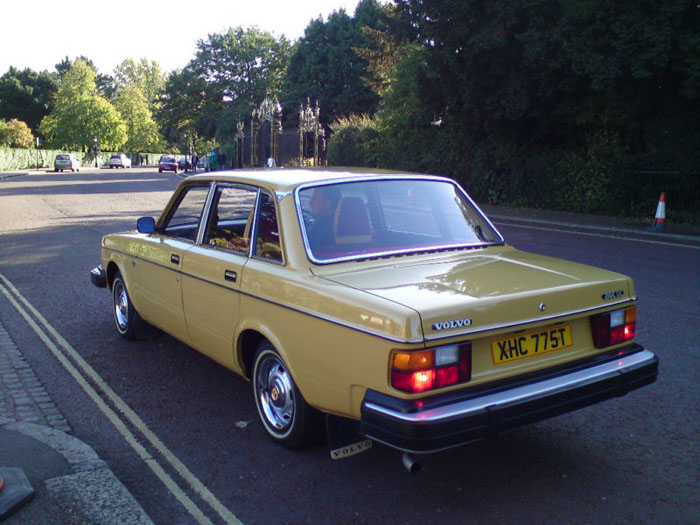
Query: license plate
x=531, y=343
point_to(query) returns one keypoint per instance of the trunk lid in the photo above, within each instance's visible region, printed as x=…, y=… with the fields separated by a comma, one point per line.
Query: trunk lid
x=490, y=289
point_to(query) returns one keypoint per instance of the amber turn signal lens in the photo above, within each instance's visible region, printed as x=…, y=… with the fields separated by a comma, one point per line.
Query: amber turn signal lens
x=413, y=360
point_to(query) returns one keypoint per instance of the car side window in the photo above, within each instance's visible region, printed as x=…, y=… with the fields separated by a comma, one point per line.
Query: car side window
x=231, y=218
x=267, y=236
x=183, y=222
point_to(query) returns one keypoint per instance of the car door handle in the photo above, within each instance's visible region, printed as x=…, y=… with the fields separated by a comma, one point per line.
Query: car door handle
x=230, y=275
x=174, y=258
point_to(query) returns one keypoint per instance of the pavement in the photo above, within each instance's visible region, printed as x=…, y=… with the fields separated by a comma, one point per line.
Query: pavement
x=52, y=477
x=47, y=475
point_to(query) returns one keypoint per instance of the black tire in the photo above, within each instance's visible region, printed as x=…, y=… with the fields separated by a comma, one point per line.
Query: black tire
x=285, y=415
x=125, y=316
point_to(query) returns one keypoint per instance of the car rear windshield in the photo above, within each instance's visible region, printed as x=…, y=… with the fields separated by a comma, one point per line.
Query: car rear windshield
x=116, y=157
x=62, y=157
x=385, y=217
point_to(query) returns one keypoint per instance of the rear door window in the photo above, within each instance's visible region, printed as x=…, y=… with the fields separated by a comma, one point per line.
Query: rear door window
x=231, y=218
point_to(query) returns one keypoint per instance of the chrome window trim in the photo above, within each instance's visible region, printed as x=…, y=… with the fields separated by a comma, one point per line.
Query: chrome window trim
x=389, y=253
x=204, y=220
x=226, y=184
x=254, y=228
x=161, y=225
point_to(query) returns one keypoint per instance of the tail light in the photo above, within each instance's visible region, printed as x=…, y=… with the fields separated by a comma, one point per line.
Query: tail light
x=612, y=328
x=426, y=370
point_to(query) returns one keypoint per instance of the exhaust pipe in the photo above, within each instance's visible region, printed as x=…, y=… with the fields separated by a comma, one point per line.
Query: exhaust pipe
x=410, y=463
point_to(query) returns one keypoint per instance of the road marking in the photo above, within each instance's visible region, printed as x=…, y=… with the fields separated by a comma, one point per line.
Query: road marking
x=601, y=235
x=190, y=479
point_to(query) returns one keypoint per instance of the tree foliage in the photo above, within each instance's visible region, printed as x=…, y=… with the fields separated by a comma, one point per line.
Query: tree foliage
x=104, y=83
x=145, y=74
x=183, y=105
x=326, y=67
x=141, y=128
x=80, y=114
x=513, y=78
x=353, y=142
x=27, y=95
x=235, y=71
x=20, y=136
x=4, y=135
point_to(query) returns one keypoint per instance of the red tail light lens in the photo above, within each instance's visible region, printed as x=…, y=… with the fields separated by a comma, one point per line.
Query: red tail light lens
x=426, y=370
x=612, y=328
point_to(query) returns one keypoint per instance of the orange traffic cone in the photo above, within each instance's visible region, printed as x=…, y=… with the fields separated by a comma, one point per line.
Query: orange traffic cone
x=660, y=217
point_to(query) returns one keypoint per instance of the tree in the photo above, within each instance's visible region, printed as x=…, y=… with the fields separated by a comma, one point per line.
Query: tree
x=20, y=134
x=105, y=83
x=145, y=74
x=27, y=95
x=516, y=78
x=141, y=129
x=236, y=70
x=4, y=135
x=326, y=67
x=80, y=114
x=182, y=107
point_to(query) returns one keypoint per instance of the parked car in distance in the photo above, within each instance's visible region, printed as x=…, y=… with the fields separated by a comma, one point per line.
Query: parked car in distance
x=66, y=161
x=119, y=160
x=184, y=163
x=167, y=163
x=385, y=300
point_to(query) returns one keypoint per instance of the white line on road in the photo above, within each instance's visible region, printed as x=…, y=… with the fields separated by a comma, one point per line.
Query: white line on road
x=106, y=392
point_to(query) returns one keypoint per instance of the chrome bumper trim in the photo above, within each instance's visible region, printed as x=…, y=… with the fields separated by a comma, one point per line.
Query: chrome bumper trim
x=517, y=395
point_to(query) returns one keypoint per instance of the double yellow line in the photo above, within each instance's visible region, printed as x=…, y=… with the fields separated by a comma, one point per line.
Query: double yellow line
x=102, y=394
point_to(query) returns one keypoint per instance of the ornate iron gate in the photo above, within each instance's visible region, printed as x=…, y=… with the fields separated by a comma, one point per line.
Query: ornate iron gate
x=270, y=111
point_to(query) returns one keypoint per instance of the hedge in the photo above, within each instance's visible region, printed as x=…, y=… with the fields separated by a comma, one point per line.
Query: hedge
x=12, y=159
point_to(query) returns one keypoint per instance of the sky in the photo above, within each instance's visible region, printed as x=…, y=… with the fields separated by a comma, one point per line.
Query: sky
x=39, y=34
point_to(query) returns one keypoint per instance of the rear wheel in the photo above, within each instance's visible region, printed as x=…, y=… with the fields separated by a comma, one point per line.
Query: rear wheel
x=284, y=413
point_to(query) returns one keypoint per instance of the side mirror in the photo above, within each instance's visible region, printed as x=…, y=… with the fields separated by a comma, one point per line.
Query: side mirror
x=146, y=225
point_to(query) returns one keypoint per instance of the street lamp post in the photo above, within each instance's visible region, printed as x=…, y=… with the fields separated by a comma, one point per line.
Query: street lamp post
x=188, y=153
x=37, y=153
x=95, y=150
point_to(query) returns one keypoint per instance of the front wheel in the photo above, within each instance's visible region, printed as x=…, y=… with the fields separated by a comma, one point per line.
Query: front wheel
x=125, y=316
x=284, y=413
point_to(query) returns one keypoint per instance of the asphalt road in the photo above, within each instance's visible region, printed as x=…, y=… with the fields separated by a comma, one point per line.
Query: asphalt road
x=198, y=454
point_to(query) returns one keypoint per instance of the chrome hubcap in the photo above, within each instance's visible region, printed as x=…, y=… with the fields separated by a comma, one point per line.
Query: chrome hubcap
x=275, y=394
x=121, y=306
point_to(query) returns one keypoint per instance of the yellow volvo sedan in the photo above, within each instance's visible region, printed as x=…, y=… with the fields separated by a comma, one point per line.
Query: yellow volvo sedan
x=385, y=301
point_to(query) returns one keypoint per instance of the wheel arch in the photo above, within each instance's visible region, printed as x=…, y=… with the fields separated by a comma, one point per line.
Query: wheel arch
x=112, y=269
x=248, y=341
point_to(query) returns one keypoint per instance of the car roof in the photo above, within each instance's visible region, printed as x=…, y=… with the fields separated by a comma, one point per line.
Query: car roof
x=288, y=179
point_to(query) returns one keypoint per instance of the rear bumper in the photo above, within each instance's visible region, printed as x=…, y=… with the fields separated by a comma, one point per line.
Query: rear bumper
x=433, y=424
